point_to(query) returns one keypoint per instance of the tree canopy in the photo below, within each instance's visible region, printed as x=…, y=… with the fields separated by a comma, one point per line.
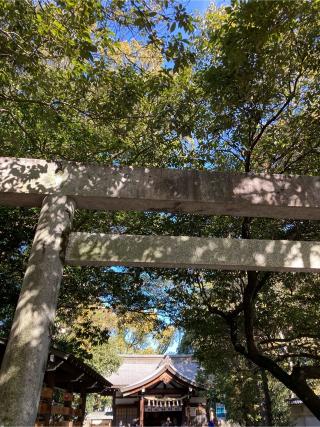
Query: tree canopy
x=144, y=83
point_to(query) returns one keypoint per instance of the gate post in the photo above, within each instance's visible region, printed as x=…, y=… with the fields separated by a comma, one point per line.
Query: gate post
x=25, y=359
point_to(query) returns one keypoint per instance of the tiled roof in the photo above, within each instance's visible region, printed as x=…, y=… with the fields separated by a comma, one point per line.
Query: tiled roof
x=135, y=368
x=70, y=371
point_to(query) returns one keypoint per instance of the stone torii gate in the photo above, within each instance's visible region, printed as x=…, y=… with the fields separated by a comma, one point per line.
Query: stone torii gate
x=61, y=187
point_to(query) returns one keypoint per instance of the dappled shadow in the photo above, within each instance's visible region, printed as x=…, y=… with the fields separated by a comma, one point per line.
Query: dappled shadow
x=25, y=359
x=24, y=182
x=99, y=249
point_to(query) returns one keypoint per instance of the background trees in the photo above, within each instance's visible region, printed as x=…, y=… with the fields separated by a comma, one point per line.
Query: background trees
x=113, y=82
x=85, y=81
x=258, y=78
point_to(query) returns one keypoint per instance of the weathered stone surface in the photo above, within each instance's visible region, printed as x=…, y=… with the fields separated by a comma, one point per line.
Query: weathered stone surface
x=192, y=252
x=26, y=354
x=24, y=182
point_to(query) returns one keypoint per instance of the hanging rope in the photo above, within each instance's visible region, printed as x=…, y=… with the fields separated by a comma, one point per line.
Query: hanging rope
x=164, y=402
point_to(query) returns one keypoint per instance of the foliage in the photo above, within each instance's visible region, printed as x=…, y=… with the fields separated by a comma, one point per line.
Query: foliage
x=100, y=337
x=75, y=86
x=83, y=80
x=234, y=381
x=16, y=231
x=100, y=334
x=259, y=76
x=258, y=86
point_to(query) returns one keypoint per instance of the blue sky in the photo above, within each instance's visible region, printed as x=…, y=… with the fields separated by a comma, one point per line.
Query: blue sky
x=198, y=5
x=202, y=5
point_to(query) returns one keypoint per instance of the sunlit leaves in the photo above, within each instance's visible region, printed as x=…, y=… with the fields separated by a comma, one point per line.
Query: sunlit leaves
x=259, y=68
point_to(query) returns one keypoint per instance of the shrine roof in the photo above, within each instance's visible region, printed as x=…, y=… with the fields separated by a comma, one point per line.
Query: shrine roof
x=135, y=369
x=70, y=372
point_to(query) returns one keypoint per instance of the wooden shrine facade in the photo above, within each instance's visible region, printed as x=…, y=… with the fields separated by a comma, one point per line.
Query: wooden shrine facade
x=67, y=382
x=149, y=389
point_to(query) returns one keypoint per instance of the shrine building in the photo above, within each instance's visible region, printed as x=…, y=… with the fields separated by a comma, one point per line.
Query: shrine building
x=67, y=383
x=151, y=388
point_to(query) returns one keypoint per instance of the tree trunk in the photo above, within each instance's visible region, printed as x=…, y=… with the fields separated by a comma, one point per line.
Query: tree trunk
x=267, y=405
x=294, y=383
x=308, y=397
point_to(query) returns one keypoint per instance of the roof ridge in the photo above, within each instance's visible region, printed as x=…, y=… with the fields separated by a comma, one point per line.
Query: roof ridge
x=131, y=355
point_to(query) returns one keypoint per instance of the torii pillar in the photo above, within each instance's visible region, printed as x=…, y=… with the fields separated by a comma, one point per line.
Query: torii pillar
x=29, y=340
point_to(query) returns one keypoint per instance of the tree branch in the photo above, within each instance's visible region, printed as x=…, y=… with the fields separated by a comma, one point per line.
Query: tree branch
x=277, y=114
x=306, y=372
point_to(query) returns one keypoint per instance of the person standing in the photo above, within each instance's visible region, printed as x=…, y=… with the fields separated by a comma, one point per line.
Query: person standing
x=201, y=416
x=213, y=420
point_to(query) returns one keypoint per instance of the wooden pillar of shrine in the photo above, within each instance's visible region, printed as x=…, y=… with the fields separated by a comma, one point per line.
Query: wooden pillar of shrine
x=50, y=380
x=82, y=406
x=141, y=415
x=114, y=409
x=67, y=405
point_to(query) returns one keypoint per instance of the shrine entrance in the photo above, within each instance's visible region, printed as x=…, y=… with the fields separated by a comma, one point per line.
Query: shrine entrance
x=165, y=411
x=159, y=391
x=160, y=418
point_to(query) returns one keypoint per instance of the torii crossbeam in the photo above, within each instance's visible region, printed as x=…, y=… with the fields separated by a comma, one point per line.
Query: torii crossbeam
x=25, y=182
